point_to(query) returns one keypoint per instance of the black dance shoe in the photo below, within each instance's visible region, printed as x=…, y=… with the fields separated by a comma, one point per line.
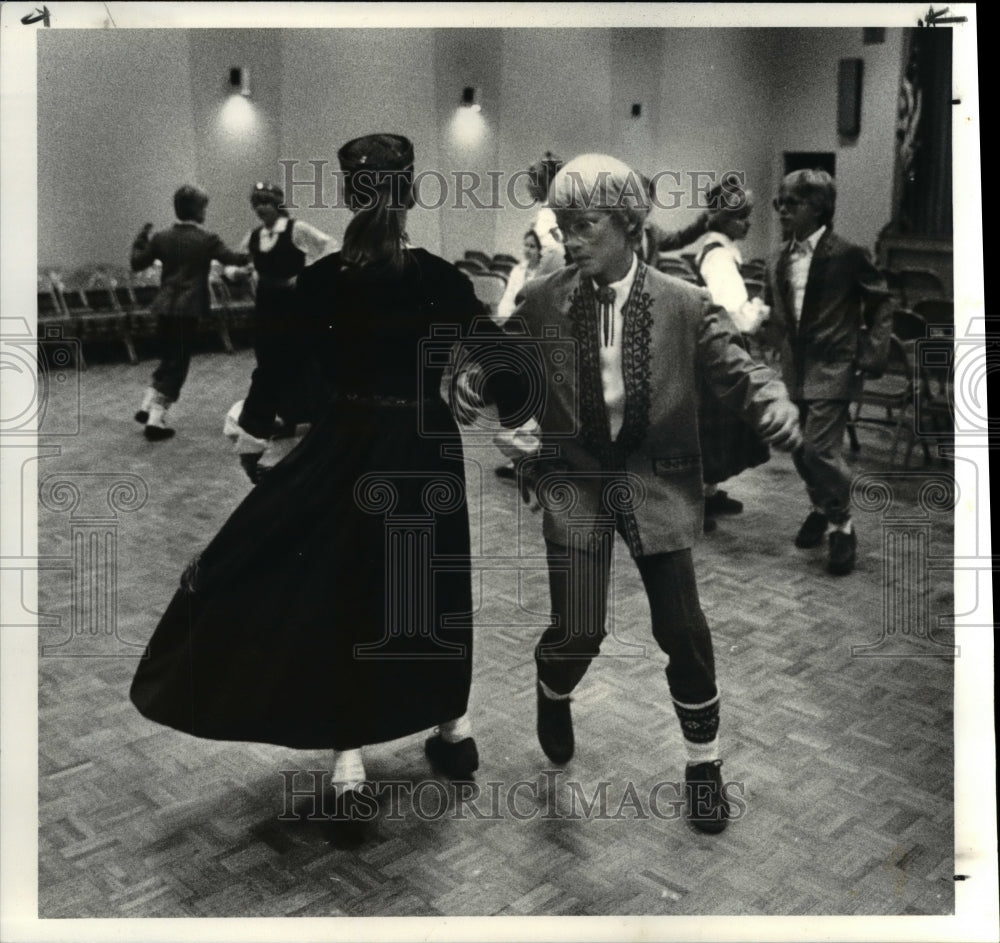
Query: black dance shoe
x=812, y=530
x=142, y=416
x=708, y=525
x=158, y=433
x=507, y=472
x=721, y=503
x=354, y=810
x=250, y=462
x=843, y=548
x=555, y=727
x=458, y=761
x=707, y=807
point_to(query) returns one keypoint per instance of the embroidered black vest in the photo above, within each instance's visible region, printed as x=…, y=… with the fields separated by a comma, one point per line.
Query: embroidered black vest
x=283, y=261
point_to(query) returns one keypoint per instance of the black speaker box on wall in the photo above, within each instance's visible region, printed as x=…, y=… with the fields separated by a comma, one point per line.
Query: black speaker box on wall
x=849, y=75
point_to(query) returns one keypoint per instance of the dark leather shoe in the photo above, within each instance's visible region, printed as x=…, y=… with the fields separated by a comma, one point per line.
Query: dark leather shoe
x=707, y=807
x=353, y=812
x=250, y=462
x=812, y=530
x=708, y=525
x=555, y=727
x=843, y=548
x=158, y=433
x=721, y=503
x=457, y=761
x=507, y=471
x=142, y=416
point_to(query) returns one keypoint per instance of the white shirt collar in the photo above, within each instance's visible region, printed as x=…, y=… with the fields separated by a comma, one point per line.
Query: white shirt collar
x=280, y=225
x=807, y=245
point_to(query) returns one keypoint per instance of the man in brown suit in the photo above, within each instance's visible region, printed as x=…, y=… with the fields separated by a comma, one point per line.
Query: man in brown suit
x=619, y=453
x=823, y=291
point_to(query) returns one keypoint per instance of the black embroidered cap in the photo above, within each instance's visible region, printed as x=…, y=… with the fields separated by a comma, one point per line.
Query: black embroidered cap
x=374, y=163
x=377, y=152
x=264, y=192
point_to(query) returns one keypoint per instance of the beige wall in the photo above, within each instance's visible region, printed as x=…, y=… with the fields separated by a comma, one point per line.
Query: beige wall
x=805, y=119
x=338, y=84
x=236, y=139
x=126, y=116
x=116, y=137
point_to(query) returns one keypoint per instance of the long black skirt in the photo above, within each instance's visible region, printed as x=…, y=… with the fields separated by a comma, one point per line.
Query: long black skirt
x=333, y=608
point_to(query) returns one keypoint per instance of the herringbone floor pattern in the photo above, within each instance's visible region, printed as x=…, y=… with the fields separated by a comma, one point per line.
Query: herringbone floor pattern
x=842, y=762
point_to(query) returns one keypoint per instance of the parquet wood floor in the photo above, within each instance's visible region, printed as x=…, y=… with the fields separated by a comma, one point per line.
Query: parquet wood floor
x=844, y=762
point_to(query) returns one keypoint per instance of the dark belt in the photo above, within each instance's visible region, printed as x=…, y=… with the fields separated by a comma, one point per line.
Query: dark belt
x=377, y=399
x=268, y=281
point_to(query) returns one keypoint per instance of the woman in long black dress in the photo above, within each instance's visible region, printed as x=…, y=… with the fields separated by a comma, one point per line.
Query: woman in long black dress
x=334, y=608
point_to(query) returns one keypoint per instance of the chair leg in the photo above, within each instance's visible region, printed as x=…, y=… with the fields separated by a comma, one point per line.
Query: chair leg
x=133, y=357
x=852, y=435
x=227, y=343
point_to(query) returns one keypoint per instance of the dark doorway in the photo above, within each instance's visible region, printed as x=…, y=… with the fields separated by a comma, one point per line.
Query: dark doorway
x=811, y=160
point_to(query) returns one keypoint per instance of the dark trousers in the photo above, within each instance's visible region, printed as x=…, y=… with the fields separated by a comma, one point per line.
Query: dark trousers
x=283, y=382
x=174, y=335
x=578, y=584
x=820, y=461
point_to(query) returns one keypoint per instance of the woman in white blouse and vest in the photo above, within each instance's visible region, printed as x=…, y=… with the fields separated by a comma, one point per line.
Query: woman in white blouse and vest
x=728, y=444
x=280, y=249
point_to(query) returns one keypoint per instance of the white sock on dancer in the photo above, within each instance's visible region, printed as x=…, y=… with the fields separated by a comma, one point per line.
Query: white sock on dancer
x=157, y=414
x=456, y=730
x=702, y=752
x=348, y=770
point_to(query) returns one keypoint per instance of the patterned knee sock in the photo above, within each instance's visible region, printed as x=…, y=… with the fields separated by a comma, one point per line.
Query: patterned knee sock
x=700, y=727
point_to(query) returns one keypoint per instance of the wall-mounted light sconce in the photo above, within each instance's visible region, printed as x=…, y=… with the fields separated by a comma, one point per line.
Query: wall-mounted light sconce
x=469, y=98
x=239, y=80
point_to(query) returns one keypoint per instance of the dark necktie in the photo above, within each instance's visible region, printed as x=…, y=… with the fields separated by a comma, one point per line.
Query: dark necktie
x=606, y=310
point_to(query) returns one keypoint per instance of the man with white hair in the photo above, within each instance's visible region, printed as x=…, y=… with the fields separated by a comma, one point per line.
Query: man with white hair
x=618, y=431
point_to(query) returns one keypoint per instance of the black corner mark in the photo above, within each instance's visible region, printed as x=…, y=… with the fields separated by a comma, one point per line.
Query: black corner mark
x=41, y=15
x=938, y=18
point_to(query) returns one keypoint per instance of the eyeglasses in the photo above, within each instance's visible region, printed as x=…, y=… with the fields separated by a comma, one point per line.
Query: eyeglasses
x=585, y=229
x=786, y=202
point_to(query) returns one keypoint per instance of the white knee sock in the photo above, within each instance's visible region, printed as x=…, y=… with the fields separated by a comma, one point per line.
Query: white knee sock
x=148, y=398
x=157, y=414
x=348, y=770
x=456, y=730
